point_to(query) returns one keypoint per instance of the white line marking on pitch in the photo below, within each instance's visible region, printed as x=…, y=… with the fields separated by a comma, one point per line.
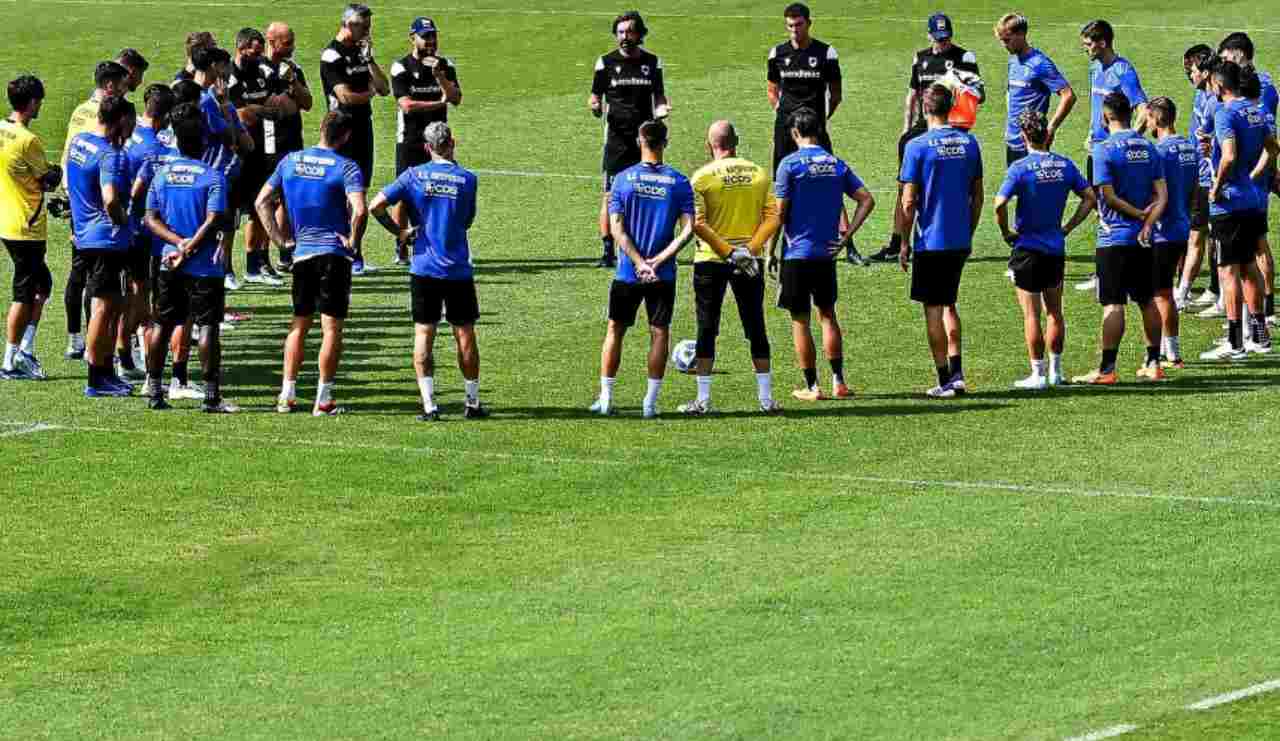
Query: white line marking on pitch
x=29, y=429
x=1110, y=732
x=1215, y=701
x=1024, y=489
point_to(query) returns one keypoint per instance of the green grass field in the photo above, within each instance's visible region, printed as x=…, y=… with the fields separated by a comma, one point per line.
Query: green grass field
x=1001, y=566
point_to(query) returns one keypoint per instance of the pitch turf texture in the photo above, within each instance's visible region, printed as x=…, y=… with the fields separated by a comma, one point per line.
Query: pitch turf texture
x=1002, y=566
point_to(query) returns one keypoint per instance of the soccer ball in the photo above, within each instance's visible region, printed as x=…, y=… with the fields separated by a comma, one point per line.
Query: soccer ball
x=683, y=355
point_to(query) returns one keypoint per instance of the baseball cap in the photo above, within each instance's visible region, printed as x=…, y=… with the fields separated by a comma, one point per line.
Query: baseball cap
x=422, y=26
x=939, y=27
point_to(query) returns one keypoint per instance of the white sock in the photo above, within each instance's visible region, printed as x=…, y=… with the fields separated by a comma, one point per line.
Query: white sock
x=764, y=386
x=1172, y=348
x=651, y=394
x=704, y=388
x=10, y=355
x=606, y=389
x=324, y=392
x=288, y=389
x=1037, y=368
x=472, y=390
x=427, y=387
x=1055, y=363
x=29, y=339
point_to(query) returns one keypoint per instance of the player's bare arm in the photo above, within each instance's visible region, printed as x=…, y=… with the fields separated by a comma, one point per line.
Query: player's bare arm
x=359, y=213
x=866, y=203
x=265, y=205
x=1088, y=202
x=623, y=240
x=835, y=94
x=1066, y=102
x=378, y=210
x=976, y=198
x=682, y=239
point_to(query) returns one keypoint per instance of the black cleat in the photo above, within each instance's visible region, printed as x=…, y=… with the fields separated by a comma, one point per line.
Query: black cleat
x=853, y=257
x=431, y=416
x=475, y=412
x=607, y=261
x=158, y=404
x=887, y=254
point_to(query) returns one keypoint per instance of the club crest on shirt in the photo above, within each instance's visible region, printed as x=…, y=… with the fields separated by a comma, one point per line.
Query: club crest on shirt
x=813, y=61
x=644, y=69
x=786, y=61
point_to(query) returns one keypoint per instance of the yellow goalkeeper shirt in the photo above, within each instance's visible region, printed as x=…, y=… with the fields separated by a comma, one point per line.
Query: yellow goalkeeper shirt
x=22, y=164
x=83, y=120
x=733, y=197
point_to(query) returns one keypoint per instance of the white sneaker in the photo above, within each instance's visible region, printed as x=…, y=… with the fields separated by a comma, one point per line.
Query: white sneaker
x=222, y=407
x=29, y=364
x=1223, y=352
x=1057, y=379
x=1215, y=311
x=1181, y=298
x=695, y=408
x=1088, y=284
x=265, y=279
x=770, y=406
x=941, y=392
x=139, y=355
x=1205, y=299
x=130, y=374
x=286, y=406
x=192, y=391
x=75, y=347
x=1009, y=274
x=1257, y=348
x=230, y=282
x=649, y=412
x=602, y=407
x=1032, y=383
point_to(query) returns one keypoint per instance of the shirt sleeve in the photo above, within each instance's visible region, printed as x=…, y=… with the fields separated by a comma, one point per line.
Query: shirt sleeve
x=1131, y=86
x=1076, y=180
x=659, y=86
x=1010, y=183
x=276, y=181
x=1157, y=169
x=684, y=197
x=852, y=183
x=913, y=81
x=399, y=81
x=235, y=91
x=977, y=157
x=396, y=191
x=782, y=180
x=600, y=80
x=216, y=202
x=912, y=163
x=831, y=66
x=33, y=157
x=333, y=72
x=1222, y=129
x=351, y=179
x=472, y=200
x=1048, y=73
x=1101, y=165
x=968, y=63
x=772, y=74
x=113, y=170
x=700, y=197
x=155, y=196
x=213, y=117
x=617, y=198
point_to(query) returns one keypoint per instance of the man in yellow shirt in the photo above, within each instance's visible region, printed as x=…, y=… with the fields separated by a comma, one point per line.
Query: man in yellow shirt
x=25, y=176
x=736, y=217
x=109, y=79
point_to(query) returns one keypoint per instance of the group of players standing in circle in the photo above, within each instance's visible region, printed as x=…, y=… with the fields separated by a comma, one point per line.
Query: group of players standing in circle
x=154, y=199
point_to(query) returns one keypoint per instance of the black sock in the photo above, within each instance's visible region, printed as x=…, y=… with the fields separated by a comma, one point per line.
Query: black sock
x=956, y=368
x=1235, y=334
x=252, y=263
x=810, y=377
x=944, y=375
x=1109, y=360
x=1214, y=288
x=895, y=242
x=126, y=359
x=1153, y=354
x=180, y=372
x=94, y=377
x=607, y=243
x=1269, y=305
x=837, y=369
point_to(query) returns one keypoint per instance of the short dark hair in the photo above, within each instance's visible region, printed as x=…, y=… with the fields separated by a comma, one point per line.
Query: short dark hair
x=158, y=100
x=1197, y=51
x=205, y=58
x=188, y=129
x=796, y=10
x=355, y=10
x=1165, y=110
x=654, y=134
x=1099, y=30
x=1229, y=76
x=108, y=72
x=186, y=91
x=335, y=125
x=115, y=108
x=1207, y=63
x=247, y=36
x=133, y=59
x=937, y=101
x=806, y=121
x=1034, y=124
x=199, y=40
x=24, y=90
x=1238, y=41
x=1119, y=106
x=631, y=15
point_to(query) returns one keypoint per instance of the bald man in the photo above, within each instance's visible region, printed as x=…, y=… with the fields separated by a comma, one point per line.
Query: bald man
x=289, y=92
x=736, y=216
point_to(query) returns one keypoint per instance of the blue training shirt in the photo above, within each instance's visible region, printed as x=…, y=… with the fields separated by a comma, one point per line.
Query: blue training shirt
x=1245, y=122
x=651, y=198
x=1033, y=80
x=1181, y=163
x=183, y=193
x=942, y=163
x=441, y=198
x=1104, y=80
x=1202, y=124
x=1131, y=166
x=814, y=184
x=93, y=164
x=1041, y=182
x=315, y=183
x=146, y=174
x=216, y=152
x=143, y=145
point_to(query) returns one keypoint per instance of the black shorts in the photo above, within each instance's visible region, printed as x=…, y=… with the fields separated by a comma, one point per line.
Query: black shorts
x=912, y=133
x=784, y=145
x=104, y=271
x=410, y=155
x=359, y=147
x=139, y=261
x=180, y=297
x=322, y=283
x=153, y=281
x=621, y=150
x=32, y=280
x=803, y=281
x=1235, y=236
x=935, y=276
x=457, y=297
x=254, y=173
x=1165, y=264
x=1125, y=273
x=1199, y=211
x=659, y=299
x=1012, y=155
x=710, y=282
x=1036, y=272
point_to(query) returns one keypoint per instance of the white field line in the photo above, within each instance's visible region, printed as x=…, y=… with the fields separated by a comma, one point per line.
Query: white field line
x=1215, y=701
x=603, y=14
x=1109, y=732
x=29, y=429
x=755, y=474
